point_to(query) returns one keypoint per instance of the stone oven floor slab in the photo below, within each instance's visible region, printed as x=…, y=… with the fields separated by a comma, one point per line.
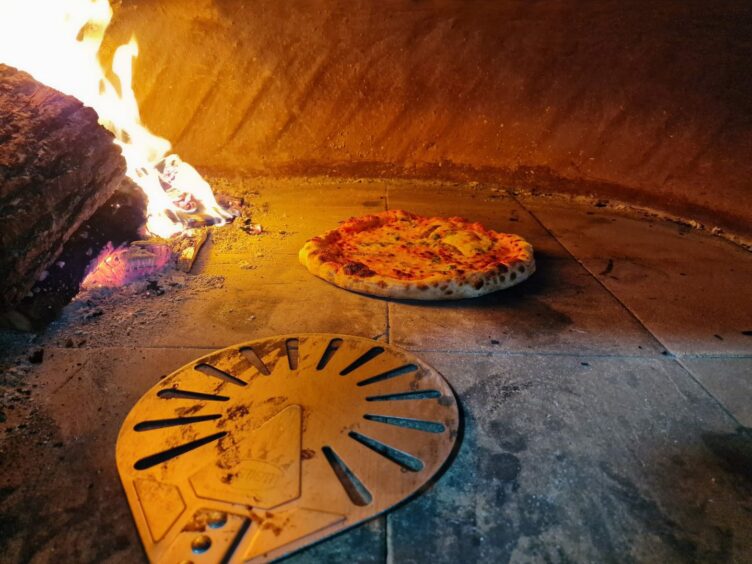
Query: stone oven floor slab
x=729, y=380
x=686, y=287
x=606, y=400
x=564, y=458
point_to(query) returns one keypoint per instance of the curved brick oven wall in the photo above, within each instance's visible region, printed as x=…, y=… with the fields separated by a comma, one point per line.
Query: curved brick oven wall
x=646, y=101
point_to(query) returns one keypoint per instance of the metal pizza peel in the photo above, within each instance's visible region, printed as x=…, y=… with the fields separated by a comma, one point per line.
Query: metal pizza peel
x=257, y=450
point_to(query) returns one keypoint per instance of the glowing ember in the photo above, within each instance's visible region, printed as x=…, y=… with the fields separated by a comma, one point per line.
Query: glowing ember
x=57, y=42
x=114, y=268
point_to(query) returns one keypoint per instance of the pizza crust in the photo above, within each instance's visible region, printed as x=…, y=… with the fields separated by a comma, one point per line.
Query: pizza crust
x=362, y=255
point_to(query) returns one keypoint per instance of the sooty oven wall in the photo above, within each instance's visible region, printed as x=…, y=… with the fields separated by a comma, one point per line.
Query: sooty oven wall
x=645, y=101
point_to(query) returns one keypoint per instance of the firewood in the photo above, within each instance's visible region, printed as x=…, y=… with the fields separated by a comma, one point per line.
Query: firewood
x=57, y=166
x=189, y=254
x=117, y=222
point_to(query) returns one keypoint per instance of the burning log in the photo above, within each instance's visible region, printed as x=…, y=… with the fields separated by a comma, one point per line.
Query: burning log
x=57, y=166
x=114, y=268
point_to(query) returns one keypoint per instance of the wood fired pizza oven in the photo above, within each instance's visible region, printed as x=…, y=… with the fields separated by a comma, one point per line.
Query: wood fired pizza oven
x=597, y=411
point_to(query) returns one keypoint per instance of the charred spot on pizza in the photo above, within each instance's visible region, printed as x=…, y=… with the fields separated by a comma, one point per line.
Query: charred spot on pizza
x=328, y=257
x=357, y=269
x=478, y=285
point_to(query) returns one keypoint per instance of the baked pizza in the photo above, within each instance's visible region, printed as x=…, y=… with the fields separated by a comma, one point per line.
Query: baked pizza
x=398, y=254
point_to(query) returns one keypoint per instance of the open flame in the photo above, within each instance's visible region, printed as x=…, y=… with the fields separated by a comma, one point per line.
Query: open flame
x=57, y=42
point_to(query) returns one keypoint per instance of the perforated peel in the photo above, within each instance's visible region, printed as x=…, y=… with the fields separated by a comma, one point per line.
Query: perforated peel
x=259, y=449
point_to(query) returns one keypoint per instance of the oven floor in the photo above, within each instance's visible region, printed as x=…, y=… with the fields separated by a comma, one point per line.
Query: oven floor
x=607, y=400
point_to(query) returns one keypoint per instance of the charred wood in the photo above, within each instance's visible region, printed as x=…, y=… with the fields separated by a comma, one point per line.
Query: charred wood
x=116, y=222
x=57, y=167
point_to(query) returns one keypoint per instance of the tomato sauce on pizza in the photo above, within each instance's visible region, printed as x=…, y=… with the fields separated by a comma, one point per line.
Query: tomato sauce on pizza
x=402, y=255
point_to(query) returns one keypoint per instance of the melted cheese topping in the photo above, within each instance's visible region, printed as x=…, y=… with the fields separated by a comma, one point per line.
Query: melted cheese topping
x=400, y=255
x=403, y=246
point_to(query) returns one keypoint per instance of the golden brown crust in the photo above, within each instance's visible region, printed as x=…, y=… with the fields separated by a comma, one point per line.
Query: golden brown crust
x=397, y=254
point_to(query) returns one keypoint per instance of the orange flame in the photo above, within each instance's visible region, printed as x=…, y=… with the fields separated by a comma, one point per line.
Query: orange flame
x=57, y=42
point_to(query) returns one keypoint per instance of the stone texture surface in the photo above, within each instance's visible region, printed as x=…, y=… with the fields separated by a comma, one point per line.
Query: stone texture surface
x=291, y=211
x=727, y=379
x=690, y=289
x=560, y=309
x=584, y=440
x=647, y=103
x=227, y=315
x=61, y=495
x=580, y=459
